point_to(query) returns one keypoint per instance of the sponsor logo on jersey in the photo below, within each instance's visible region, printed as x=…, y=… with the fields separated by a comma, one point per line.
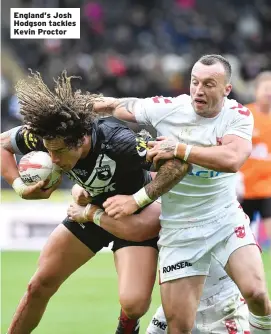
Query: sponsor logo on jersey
x=104, y=173
x=141, y=147
x=93, y=191
x=96, y=191
x=207, y=174
x=81, y=172
x=30, y=140
x=159, y=324
x=179, y=265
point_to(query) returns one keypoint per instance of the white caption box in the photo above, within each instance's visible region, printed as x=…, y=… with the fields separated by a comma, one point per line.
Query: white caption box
x=45, y=23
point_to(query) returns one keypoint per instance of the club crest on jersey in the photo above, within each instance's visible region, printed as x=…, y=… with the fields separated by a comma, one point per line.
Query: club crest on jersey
x=240, y=231
x=104, y=172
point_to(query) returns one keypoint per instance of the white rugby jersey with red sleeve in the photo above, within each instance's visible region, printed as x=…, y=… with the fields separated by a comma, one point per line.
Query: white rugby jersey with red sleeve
x=203, y=193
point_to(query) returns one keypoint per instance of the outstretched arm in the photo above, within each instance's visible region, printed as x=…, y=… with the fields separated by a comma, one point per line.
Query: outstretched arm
x=123, y=108
x=138, y=227
x=235, y=146
x=228, y=157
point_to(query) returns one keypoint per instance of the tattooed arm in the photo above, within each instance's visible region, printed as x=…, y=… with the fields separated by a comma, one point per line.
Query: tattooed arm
x=123, y=108
x=169, y=174
x=150, y=110
x=140, y=227
x=9, y=169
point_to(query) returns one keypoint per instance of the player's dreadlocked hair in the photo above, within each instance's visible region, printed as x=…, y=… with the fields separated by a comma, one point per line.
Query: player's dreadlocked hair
x=58, y=113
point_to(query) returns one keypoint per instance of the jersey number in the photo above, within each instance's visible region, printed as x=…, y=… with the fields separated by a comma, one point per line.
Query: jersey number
x=242, y=110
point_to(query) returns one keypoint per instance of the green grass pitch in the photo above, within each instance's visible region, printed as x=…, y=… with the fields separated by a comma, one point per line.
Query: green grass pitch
x=86, y=303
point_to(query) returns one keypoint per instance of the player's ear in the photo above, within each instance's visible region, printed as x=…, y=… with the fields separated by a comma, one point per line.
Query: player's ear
x=227, y=89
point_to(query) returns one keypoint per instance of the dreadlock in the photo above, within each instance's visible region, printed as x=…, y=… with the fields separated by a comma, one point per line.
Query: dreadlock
x=58, y=113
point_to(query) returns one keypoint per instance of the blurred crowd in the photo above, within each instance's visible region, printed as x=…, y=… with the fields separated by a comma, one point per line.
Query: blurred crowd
x=142, y=48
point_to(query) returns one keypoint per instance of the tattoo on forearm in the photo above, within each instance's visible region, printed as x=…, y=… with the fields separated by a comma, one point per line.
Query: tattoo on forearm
x=104, y=106
x=169, y=174
x=5, y=141
x=168, y=145
x=128, y=103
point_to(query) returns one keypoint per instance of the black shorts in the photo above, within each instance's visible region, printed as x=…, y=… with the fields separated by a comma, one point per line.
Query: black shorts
x=261, y=205
x=95, y=237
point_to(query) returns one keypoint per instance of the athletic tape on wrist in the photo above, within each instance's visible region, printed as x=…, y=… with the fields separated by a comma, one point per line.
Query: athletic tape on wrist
x=19, y=186
x=86, y=211
x=187, y=152
x=142, y=198
x=97, y=216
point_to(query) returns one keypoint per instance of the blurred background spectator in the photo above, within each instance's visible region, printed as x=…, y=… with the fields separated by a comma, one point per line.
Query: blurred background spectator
x=256, y=172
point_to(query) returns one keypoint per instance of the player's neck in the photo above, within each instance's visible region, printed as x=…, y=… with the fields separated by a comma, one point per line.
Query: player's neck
x=213, y=113
x=86, y=147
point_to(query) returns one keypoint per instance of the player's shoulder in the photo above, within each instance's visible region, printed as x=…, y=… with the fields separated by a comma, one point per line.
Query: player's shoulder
x=108, y=125
x=234, y=110
x=167, y=100
x=110, y=129
x=24, y=141
x=184, y=98
x=29, y=139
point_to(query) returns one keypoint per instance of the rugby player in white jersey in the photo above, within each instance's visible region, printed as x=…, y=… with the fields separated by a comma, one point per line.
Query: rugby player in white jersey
x=201, y=217
x=222, y=308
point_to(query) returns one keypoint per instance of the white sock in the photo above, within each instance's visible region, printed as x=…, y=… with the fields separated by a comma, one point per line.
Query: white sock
x=259, y=325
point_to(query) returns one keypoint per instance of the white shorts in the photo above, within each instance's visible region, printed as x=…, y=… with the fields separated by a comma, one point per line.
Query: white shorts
x=224, y=317
x=187, y=251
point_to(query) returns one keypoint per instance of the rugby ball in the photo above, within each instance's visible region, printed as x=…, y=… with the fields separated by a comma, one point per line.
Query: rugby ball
x=37, y=166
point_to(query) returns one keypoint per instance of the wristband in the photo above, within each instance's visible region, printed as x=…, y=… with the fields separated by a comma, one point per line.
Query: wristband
x=142, y=198
x=176, y=150
x=97, y=216
x=187, y=152
x=86, y=211
x=19, y=186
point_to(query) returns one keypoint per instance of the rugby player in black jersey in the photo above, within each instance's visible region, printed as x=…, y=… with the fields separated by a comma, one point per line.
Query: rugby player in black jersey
x=105, y=158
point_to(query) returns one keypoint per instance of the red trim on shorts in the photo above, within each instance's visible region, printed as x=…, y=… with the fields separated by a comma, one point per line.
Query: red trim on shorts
x=257, y=244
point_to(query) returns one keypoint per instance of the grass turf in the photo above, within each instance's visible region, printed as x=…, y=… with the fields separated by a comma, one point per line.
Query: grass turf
x=86, y=303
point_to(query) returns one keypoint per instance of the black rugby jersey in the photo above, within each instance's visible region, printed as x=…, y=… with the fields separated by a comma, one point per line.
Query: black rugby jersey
x=116, y=163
